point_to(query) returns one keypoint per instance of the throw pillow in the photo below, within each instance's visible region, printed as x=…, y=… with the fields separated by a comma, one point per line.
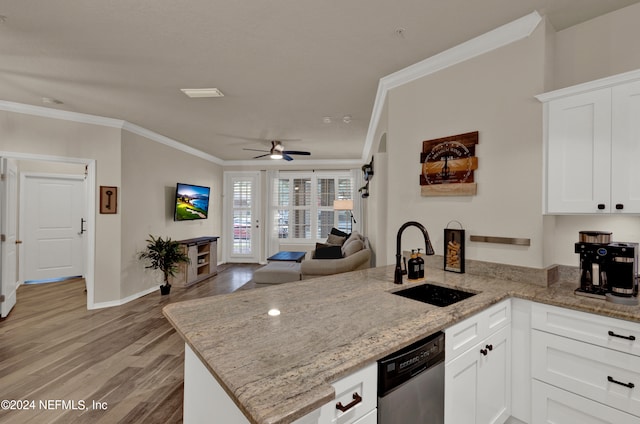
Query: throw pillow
x=351, y=247
x=353, y=236
x=335, y=240
x=324, y=251
x=337, y=232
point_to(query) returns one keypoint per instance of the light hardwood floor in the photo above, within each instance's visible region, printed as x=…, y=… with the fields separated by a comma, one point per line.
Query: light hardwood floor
x=127, y=357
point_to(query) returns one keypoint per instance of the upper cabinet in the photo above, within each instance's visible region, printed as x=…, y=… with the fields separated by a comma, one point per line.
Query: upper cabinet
x=592, y=147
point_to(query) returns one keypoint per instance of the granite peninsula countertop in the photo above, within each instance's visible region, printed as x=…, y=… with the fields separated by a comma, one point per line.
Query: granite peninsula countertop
x=278, y=369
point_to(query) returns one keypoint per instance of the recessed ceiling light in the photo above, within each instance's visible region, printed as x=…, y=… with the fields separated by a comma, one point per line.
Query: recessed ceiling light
x=51, y=101
x=3, y=19
x=346, y=119
x=202, y=92
x=326, y=119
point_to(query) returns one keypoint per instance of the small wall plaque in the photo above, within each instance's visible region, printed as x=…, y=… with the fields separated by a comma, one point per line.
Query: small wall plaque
x=448, y=164
x=108, y=199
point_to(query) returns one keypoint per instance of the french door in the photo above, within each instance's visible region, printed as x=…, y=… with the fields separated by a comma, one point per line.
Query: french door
x=242, y=222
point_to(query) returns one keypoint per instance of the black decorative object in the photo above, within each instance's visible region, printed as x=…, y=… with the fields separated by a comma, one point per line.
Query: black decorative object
x=454, y=249
x=367, y=170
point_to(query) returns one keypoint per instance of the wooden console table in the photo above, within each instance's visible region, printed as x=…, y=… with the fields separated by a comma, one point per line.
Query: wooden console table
x=203, y=252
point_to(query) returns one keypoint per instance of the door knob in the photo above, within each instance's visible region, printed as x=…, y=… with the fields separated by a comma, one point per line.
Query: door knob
x=18, y=241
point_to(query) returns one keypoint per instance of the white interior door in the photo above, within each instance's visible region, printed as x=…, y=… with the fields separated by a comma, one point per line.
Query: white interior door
x=53, y=215
x=8, y=229
x=243, y=228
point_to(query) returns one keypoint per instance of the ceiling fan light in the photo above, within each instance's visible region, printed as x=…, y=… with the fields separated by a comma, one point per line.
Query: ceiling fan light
x=276, y=155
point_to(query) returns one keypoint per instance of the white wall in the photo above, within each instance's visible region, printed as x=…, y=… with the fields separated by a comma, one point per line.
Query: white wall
x=22, y=133
x=604, y=46
x=150, y=172
x=145, y=173
x=492, y=94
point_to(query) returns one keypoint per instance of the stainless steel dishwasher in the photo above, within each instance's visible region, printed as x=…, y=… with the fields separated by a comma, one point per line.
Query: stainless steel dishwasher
x=411, y=384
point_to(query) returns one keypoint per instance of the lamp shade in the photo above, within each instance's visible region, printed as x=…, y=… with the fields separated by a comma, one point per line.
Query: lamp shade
x=343, y=205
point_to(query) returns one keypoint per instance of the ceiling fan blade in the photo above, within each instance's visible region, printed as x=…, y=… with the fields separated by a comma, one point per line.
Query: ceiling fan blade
x=261, y=156
x=257, y=150
x=286, y=156
x=296, y=152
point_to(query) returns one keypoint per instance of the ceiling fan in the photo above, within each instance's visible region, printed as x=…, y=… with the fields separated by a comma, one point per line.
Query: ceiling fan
x=277, y=152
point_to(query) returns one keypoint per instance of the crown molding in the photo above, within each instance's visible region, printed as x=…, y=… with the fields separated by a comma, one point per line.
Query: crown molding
x=492, y=40
x=159, y=138
x=65, y=115
x=280, y=164
x=84, y=118
x=489, y=41
x=590, y=86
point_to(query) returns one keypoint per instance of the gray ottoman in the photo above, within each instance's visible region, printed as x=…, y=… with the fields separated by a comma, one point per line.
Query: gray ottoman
x=278, y=272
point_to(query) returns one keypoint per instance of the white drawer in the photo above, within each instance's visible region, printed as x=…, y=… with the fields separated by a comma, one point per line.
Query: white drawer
x=370, y=418
x=612, y=333
x=363, y=384
x=603, y=375
x=551, y=405
x=464, y=335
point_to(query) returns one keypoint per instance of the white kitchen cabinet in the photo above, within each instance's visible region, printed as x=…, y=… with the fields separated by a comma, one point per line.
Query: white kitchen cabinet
x=477, y=386
x=461, y=336
x=592, y=144
x=552, y=405
x=625, y=154
x=205, y=398
x=358, y=389
x=588, y=360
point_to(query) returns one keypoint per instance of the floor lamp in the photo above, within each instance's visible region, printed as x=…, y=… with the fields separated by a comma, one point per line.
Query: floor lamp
x=345, y=205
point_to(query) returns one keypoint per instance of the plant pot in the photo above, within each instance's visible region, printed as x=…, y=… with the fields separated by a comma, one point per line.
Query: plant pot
x=165, y=289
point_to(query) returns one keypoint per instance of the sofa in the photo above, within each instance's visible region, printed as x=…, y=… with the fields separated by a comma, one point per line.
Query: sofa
x=355, y=253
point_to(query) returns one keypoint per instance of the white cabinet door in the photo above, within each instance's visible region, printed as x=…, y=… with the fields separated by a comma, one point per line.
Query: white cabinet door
x=551, y=405
x=625, y=172
x=578, y=153
x=478, y=383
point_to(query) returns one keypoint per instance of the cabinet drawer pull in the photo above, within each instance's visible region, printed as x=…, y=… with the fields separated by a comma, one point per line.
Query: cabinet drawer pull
x=489, y=347
x=356, y=400
x=612, y=334
x=484, y=352
x=612, y=380
x=601, y=206
x=619, y=206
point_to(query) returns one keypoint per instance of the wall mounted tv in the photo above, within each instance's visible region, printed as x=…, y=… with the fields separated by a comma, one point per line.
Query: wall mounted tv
x=192, y=202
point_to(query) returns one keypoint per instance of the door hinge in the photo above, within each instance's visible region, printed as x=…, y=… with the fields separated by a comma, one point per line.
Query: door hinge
x=1, y=298
x=2, y=177
x=3, y=237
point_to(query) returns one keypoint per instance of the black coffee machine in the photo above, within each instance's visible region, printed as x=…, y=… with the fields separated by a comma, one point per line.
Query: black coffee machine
x=608, y=270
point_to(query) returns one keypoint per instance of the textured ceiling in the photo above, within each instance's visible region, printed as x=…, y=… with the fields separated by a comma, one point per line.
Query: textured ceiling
x=283, y=65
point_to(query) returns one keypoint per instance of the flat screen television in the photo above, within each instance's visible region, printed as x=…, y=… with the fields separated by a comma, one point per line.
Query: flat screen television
x=192, y=202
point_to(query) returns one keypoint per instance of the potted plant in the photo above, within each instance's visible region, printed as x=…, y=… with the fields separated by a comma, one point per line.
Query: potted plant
x=164, y=255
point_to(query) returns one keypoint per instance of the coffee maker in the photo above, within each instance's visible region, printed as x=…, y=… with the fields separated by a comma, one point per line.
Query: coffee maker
x=608, y=270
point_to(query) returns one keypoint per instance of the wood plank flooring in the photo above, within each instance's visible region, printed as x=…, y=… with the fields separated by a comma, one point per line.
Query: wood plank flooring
x=127, y=359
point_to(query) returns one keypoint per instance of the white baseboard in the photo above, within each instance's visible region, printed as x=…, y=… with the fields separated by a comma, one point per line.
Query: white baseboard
x=126, y=299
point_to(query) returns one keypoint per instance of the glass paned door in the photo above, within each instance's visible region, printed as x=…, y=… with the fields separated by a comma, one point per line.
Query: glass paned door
x=244, y=220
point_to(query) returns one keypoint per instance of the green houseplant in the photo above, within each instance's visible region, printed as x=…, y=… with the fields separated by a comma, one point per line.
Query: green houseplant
x=164, y=255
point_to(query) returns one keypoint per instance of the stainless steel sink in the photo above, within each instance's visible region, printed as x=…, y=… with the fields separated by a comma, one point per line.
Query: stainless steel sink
x=434, y=295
